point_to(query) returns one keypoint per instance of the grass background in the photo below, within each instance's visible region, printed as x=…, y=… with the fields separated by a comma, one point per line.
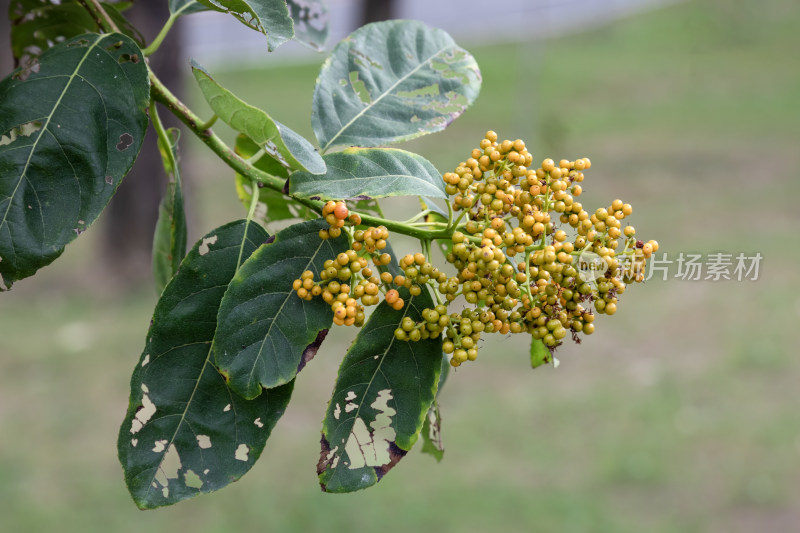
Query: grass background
x=679, y=414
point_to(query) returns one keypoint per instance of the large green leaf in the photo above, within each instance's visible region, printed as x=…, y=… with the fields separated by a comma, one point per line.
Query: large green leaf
x=370, y=172
x=310, y=22
x=270, y=17
x=169, y=240
x=68, y=134
x=392, y=81
x=37, y=25
x=279, y=140
x=185, y=432
x=266, y=333
x=382, y=394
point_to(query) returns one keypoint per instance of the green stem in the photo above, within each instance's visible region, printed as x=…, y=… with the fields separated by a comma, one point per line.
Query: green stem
x=233, y=160
x=450, y=223
x=253, y=159
x=210, y=122
x=428, y=224
x=168, y=154
x=418, y=216
x=163, y=33
x=100, y=15
x=254, y=196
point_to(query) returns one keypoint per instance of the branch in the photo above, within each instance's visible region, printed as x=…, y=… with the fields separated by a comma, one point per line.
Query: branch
x=243, y=167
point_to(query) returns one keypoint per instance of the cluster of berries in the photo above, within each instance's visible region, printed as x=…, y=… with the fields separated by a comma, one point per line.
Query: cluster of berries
x=348, y=283
x=336, y=214
x=518, y=270
x=513, y=210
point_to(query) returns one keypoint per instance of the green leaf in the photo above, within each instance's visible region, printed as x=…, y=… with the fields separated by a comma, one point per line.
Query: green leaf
x=392, y=81
x=37, y=25
x=266, y=333
x=270, y=17
x=432, y=428
x=432, y=433
x=310, y=22
x=540, y=353
x=169, y=240
x=185, y=432
x=279, y=140
x=382, y=395
x=185, y=7
x=68, y=134
x=370, y=172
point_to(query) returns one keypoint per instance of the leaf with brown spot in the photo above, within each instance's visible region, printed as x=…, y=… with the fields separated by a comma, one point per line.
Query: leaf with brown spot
x=87, y=104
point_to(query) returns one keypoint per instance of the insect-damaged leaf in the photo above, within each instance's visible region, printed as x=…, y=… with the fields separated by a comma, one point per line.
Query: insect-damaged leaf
x=392, y=81
x=68, y=134
x=185, y=432
x=266, y=333
x=382, y=394
x=169, y=240
x=279, y=140
x=310, y=22
x=540, y=354
x=270, y=17
x=371, y=172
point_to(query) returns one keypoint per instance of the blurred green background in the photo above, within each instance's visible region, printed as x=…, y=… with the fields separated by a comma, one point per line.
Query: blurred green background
x=678, y=414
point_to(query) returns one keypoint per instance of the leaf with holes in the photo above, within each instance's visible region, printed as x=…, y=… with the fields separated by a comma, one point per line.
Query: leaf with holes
x=270, y=17
x=185, y=432
x=169, y=239
x=540, y=354
x=310, y=22
x=392, y=81
x=68, y=134
x=279, y=141
x=266, y=333
x=371, y=172
x=382, y=395
x=37, y=25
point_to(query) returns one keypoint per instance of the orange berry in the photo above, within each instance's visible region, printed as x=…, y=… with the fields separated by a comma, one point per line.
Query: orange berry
x=340, y=211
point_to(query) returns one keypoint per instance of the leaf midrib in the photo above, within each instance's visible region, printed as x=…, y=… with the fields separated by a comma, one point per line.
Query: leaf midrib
x=44, y=129
x=381, y=96
x=275, y=319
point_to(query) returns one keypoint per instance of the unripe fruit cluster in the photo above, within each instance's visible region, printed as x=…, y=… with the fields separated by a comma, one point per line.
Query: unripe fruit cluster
x=517, y=248
x=511, y=210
